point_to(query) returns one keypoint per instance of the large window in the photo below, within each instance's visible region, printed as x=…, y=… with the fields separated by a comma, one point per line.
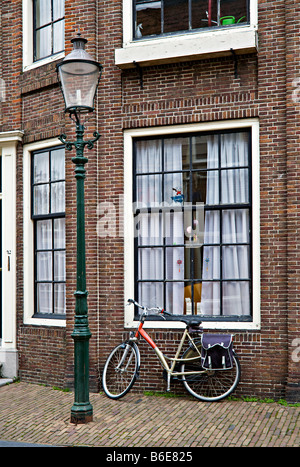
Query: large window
x=48, y=214
x=156, y=17
x=192, y=212
x=48, y=28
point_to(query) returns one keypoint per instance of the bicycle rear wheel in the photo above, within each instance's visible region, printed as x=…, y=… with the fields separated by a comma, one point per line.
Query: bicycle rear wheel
x=210, y=385
x=120, y=370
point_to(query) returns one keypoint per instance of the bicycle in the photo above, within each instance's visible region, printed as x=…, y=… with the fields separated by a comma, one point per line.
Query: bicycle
x=207, y=376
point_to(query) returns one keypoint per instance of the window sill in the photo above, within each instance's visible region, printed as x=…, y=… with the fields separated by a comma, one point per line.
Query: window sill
x=194, y=46
x=56, y=322
x=43, y=61
x=130, y=323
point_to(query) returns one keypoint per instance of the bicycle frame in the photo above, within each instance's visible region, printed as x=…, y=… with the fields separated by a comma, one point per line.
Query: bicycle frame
x=170, y=369
x=122, y=366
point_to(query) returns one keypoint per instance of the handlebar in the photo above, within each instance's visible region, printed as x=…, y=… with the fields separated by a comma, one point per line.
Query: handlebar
x=145, y=309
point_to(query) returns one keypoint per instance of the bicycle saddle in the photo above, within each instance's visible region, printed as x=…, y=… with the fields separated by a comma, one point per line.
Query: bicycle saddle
x=190, y=320
x=193, y=320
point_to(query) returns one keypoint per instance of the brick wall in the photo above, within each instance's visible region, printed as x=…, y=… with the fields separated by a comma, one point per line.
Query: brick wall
x=204, y=91
x=292, y=160
x=11, y=63
x=198, y=91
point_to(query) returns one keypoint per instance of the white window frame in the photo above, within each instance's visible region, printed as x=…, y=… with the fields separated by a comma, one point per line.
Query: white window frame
x=28, y=62
x=182, y=46
x=129, y=276
x=28, y=225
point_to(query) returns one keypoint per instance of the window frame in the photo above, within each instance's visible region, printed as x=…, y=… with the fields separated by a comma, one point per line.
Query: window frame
x=28, y=40
x=183, y=31
x=28, y=227
x=40, y=217
x=35, y=29
x=189, y=207
x=129, y=269
x=183, y=46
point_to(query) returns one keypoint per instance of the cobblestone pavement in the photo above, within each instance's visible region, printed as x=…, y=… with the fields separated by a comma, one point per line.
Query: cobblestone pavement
x=36, y=414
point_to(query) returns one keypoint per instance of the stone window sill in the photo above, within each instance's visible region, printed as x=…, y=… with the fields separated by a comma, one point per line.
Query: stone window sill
x=187, y=47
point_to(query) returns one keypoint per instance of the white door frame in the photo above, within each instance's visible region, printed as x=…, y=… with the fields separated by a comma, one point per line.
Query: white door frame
x=8, y=348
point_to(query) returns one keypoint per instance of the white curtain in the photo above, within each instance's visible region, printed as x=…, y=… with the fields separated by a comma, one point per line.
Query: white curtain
x=235, y=228
x=226, y=186
x=210, y=295
x=44, y=266
x=59, y=266
x=46, y=259
x=154, y=226
x=45, y=34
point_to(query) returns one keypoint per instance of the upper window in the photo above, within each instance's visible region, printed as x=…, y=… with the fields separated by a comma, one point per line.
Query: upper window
x=48, y=28
x=192, y=208
x=168, y=31
x=48, y=214
x=156, y=17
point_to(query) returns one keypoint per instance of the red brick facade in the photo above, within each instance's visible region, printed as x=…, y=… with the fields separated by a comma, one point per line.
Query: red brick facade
x=195, y=91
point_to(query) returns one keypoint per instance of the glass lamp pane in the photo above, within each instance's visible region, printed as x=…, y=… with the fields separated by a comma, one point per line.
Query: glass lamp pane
x=79, y=81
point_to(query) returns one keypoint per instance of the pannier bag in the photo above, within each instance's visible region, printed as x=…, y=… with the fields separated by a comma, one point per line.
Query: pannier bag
x=217, y=351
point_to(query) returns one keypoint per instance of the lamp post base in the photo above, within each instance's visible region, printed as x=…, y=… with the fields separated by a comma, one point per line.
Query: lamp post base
x=81, y=413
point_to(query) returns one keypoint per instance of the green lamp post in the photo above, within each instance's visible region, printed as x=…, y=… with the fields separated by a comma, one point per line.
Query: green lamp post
x=79, y=76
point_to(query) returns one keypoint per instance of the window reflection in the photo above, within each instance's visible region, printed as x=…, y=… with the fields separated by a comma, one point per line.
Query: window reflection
x=155, y=17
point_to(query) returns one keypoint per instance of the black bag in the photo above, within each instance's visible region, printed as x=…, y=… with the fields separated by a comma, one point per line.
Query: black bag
x=216, y=351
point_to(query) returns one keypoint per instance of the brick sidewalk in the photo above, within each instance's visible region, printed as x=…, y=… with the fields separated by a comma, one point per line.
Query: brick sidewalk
x=37, y=414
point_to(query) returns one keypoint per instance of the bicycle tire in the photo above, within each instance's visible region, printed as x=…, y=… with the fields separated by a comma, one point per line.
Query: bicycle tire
x=118, y=378
x=211, y=385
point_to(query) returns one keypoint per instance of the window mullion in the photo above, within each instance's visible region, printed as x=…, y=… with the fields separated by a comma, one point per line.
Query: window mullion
x=163, y=216
x=191, y=250
x=221, y=226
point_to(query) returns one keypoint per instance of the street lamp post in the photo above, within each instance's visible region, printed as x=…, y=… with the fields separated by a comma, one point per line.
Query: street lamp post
x=79, y=76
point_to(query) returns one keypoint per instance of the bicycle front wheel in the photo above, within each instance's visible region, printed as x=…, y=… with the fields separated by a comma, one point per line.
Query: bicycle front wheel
x=209, y=385
x=120, y=370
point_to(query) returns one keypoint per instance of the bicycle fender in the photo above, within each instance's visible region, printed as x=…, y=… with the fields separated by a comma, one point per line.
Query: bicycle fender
x=195, y=342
